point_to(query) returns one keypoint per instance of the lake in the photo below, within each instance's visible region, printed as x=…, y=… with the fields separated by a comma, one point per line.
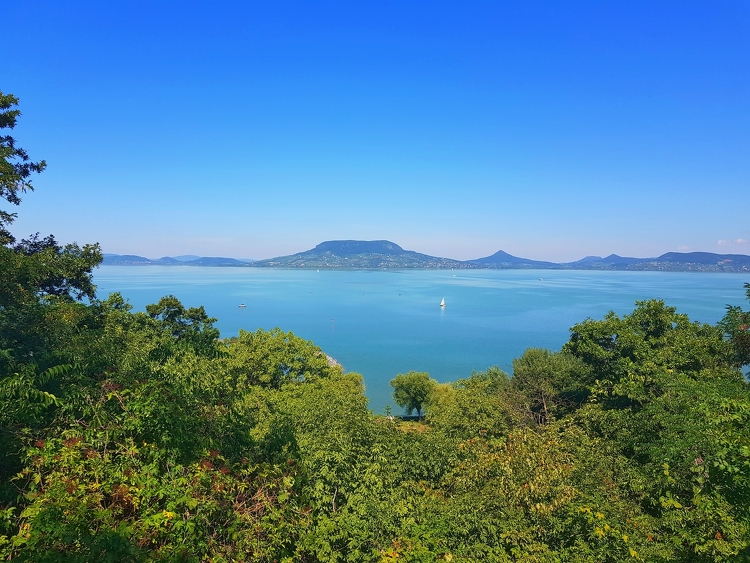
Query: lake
x=381, y=323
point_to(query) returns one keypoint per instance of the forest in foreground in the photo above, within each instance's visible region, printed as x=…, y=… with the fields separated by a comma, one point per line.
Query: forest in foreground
x=143, y=436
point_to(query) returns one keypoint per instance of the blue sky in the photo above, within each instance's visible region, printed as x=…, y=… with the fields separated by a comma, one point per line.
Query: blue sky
x=551, y=130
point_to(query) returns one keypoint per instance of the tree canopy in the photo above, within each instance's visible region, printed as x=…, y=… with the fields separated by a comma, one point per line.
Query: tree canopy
x=16, y=167
x=412, y=390
x=736, y=325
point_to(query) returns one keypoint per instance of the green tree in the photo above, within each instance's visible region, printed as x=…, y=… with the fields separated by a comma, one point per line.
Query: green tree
x=413, y=390
x=670, y=402
x=550, y=383
x=39, y=282
x=478, y=405
x=736, y=326
x=34, y=273
x=15, y=165
x=191, y=325
x=274, y=358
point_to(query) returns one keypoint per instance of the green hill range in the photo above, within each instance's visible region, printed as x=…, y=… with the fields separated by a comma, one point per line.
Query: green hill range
x=383, y=254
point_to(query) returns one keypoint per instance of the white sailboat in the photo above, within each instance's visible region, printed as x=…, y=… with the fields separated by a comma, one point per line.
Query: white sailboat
x=442, y=303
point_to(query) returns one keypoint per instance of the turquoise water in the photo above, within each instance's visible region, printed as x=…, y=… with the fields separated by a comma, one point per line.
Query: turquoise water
x=381, y=323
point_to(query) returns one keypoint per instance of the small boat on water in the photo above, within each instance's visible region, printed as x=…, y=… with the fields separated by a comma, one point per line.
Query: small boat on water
x=442, y=303
x=242, y=305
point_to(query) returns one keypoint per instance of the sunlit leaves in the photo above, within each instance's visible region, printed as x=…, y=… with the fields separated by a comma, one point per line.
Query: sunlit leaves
x=413, y=390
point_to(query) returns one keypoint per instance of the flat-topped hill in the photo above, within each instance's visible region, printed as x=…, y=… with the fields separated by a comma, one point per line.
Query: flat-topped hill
x=354, y=247
x=360, y=254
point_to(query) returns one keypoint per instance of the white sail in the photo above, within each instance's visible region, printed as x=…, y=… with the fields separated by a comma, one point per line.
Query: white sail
x=442, y=303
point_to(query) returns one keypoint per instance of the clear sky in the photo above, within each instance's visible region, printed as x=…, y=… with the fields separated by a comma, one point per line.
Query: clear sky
x=551, y=130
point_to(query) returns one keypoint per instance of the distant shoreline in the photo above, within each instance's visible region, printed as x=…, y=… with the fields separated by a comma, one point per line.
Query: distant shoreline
x=386, y=255
x=669, y=267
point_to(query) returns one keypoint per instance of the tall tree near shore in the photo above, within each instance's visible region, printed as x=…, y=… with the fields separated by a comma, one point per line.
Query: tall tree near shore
x=36, y=266
x=15, y=165
x=551, y=383
x=40, y=281
x=736, y=326
x=412, y=390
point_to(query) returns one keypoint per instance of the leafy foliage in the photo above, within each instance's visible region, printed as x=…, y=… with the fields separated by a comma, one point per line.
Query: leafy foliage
x=15, y=165
x=736, y=326
x=478, y=405
x=413, y=390
x=551, y=384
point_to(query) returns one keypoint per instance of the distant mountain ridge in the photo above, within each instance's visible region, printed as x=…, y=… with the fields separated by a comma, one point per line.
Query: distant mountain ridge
x=133, y=260
x=352, y=247
x=384, y=254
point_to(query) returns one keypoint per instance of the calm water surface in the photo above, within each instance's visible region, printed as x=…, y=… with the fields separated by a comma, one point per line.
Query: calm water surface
x=381, y=323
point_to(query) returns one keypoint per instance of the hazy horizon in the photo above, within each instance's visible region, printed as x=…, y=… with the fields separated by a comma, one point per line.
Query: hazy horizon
x=551, y=132
x=219, y=255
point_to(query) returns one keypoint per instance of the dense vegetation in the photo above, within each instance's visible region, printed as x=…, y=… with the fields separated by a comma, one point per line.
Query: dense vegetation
x=141, y=436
